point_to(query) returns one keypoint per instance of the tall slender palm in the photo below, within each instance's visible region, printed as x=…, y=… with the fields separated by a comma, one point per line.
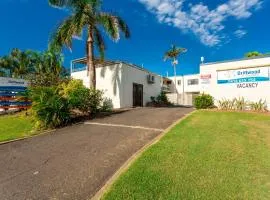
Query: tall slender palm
x=172, y=54
x=87, y=15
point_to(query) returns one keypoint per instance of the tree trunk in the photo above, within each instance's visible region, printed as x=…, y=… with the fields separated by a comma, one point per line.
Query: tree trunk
x=91, y=69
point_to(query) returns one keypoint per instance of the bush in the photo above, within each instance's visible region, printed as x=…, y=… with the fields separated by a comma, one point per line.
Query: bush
x=107, y=105
x=80, y=97
x=241, y=104
x=76, y=94
x=260, y=106
x=160, y=101
x=50, y=109
x=94, y=100
x=162, y=98
x=204, y=101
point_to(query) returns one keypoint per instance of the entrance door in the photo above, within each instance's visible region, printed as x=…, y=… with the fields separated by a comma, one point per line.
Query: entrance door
x=137, y=95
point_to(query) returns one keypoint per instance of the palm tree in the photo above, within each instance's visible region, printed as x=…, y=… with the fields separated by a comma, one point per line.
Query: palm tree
x=87, y=15
x=173, y=54
x=18, y=63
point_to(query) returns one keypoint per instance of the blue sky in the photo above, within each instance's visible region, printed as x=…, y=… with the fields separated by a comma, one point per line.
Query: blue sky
x=217, y=30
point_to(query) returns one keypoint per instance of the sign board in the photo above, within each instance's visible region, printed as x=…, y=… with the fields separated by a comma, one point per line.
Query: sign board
x=244, y=78
x=205, y=78
x=13, y=93
x=11, y=82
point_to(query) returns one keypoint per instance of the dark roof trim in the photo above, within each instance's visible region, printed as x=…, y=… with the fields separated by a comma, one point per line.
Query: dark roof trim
x=235, y=60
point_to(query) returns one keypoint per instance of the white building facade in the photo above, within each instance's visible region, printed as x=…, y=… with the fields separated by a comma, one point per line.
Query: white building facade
x=124, y=84
x=128, y=85
x=184, y=89
x=247, y=78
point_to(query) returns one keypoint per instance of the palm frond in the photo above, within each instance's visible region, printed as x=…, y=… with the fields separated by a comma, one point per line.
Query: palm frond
x=113, y=25
x=70, y=27
x=123, y=27
x=174, y=52
x=62, y=3
x=99, y=42
x=110, y=24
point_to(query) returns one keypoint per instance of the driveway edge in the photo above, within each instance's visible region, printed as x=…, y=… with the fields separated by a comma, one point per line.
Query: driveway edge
x=134, y=157
x=38, y=133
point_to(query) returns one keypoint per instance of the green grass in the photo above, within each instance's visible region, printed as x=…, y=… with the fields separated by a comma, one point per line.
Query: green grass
x=209, y=155
x=15, y=126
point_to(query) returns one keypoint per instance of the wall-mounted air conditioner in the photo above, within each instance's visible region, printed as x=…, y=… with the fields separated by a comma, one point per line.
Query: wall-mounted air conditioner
x=150, y=78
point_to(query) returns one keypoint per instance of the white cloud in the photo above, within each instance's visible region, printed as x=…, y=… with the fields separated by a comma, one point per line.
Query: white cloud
x=206, y=24
x=240, y=33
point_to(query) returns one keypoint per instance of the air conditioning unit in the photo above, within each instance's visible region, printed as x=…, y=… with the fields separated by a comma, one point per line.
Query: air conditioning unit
x=150, y=78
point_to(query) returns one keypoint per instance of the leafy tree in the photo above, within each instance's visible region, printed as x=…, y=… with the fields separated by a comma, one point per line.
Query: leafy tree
x=172, y=54
x=18, y=63
x=2, y=73
x=41, y=68
x=253, y=54
x=4, y=66
x=48, y=69
x=87, y=15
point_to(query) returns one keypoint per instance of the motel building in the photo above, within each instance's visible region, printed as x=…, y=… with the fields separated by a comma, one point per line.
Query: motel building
x=128, y=85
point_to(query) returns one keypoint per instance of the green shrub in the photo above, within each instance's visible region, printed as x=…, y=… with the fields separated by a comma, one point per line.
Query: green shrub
x=260, y=106
x=204, y=101
x=160, y=101
x=162, y=98
x=225, y=104
x=50, y=109
x=241, y=104
x=80, y=97
x=107, y=105
x=76, y=94
x=94, y=100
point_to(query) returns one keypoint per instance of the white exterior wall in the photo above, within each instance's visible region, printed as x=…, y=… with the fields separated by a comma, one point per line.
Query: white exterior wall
x=108, y=79
x=135, y=75
x=116, y=81
x=187, y=88
x=231, y=90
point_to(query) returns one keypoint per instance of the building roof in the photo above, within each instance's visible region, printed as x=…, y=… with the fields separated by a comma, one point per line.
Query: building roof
x=235, y=60
x=111, y=62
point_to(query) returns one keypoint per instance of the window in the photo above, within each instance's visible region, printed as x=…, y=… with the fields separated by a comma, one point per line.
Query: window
x=193, y=81
x=178, y=82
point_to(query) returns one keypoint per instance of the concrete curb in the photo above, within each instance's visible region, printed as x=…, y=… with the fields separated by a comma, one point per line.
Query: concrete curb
x=27, y=137
x=133, y=158
x=38, y=134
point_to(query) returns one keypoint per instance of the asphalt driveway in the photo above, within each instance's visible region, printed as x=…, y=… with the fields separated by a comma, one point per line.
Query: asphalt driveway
x=75, y=162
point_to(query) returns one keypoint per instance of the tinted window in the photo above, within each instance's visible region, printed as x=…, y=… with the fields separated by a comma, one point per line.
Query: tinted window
x=193, y=81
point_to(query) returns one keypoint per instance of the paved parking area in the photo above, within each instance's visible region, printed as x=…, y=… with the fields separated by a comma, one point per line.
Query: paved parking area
x=75, y=162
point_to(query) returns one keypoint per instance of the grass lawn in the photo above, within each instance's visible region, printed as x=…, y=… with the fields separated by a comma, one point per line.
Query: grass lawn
x=15, y=126
x=209, y=155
